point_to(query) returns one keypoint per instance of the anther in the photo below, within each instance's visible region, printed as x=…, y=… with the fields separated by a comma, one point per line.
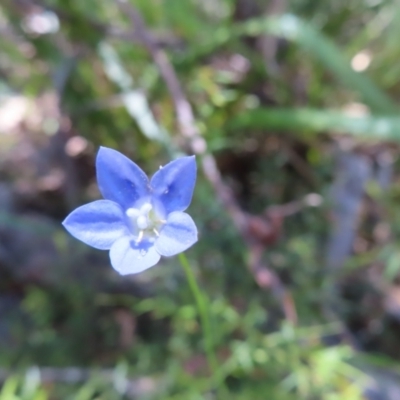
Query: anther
x=142, y=222
x=145, y=208
x=132, y=212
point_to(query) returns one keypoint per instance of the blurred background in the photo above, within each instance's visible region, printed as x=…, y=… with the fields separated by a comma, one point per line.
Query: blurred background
x=291, y=107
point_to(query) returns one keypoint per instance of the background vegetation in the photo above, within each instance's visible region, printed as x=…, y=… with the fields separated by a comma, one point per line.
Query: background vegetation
x=292, y=110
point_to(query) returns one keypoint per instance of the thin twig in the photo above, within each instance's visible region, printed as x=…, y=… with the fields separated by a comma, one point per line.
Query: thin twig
x=188, y=129
x=184, y=113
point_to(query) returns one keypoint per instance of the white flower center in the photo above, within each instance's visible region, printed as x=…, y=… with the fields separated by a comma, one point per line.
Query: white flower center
x=145, y=222
x=142, y=222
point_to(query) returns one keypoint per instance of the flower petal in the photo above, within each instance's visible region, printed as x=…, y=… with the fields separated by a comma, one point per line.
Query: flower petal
x=178, y=234
x=98, y=224
x=173, y=184
x=127, y=257
x=119, y=178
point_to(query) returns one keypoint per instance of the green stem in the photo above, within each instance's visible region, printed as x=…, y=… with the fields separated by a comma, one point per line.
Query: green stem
x=202, y=305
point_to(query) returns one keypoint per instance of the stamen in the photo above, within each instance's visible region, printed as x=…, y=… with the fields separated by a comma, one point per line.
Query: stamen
x=142, y=222
x=140, y=237
x=132, y=212
x=145, y=208
x=145, y=222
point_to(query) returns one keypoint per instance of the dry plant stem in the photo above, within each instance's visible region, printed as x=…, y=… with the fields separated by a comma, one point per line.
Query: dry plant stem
x=268, y=43
x=188, y=129
x=183, y=109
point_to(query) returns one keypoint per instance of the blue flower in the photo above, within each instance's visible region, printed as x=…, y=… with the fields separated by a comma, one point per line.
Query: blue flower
x=140, y=220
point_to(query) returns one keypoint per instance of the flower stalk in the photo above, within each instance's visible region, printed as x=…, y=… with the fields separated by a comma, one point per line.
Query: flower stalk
x=202, y=304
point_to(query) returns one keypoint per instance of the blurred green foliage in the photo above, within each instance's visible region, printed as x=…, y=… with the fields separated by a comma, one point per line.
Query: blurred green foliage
x=273, y=117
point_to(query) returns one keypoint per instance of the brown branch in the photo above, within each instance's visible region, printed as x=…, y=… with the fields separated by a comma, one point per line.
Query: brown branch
x=268, y=44
x=188, y=128
x=183, y=108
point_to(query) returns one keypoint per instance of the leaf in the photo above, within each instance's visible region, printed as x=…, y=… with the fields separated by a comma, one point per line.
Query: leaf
x=310, y=120
x=326, y=52
x=314, y=42
x=133, y=99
